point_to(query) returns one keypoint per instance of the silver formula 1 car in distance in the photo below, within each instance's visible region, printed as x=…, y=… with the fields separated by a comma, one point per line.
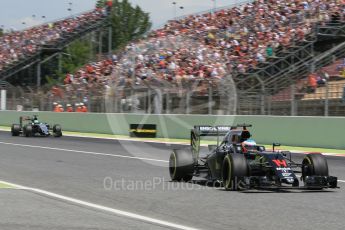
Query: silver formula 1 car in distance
x=238, y=163
x=31, y=126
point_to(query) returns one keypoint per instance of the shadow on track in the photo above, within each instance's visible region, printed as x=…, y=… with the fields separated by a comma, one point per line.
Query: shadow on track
x=218, y=186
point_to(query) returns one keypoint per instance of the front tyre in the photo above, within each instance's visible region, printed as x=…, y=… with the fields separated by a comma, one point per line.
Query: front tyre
x=314, y=164
x=234, y=170
x=57, y=131
x=181, y=165
x=27, y=130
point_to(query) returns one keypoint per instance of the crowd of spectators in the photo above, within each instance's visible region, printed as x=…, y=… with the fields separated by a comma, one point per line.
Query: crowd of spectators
x=210, y=45
x=89, y=80
x=249, y=34
x=18, y=45
x=191, y=49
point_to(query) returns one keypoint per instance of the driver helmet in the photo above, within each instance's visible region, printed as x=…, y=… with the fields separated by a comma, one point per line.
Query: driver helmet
x=249, y=142
x=248, y=145
x=36, y=121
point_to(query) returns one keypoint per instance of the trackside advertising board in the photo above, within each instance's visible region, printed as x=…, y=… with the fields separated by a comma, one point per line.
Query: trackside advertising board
x=143, y=130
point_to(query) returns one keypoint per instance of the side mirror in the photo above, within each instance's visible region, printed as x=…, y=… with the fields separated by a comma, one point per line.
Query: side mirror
x=275, y=145
x=286, y=153
x=261, y=148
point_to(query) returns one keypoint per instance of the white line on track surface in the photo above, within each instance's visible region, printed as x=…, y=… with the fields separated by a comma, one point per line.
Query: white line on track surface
x=103, y=208
x=85, y=152
x=94, y=153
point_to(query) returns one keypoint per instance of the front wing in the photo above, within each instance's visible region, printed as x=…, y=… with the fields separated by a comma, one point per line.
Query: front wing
x=311, y=183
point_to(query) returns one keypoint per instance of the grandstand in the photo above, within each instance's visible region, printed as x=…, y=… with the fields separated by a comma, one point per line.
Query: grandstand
x=252, y=58
x=25, y=51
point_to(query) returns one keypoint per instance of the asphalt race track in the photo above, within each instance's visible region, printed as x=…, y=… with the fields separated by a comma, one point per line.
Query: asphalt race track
x=110, y=174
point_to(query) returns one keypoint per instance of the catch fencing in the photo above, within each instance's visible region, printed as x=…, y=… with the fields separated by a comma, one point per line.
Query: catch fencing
x=218, y=97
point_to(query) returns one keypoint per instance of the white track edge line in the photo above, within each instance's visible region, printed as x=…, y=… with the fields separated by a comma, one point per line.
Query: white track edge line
x=103, y=208
x=85, y=152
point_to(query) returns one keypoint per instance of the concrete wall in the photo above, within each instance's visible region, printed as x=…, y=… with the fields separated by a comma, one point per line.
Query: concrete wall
x=327, y=132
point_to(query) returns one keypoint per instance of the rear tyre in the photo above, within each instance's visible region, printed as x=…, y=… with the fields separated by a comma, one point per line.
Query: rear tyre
x=57, y=131
x=15, y=130
x=27, y=130
x=314, y=164
x=234, y=170
x=181, y=165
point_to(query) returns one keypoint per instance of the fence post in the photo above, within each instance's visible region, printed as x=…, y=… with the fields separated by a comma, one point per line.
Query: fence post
x=144, y=101
x=262, y=104
x=293, y=102
x=149, y=101
x=132, y=93
x=14, y=101
x=210, y=99
x=3, y=99
x=327, y=99
x=89, y=102
x=188, y=103
x=115, y=101
x=121, y=100
x=39, y=74
x=269, y=105
x=167, y=101
x=158, y=100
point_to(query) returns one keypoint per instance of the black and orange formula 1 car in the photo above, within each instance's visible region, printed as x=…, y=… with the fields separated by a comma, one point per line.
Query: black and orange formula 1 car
x=238, y=163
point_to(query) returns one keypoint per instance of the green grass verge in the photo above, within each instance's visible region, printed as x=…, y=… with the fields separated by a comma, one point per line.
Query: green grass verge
x=309, y=149
x=186, y=141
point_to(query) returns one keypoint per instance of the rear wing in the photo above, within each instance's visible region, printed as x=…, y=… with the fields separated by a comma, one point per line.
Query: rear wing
x=23, y=118
x=215, y=131
x=211, y=130
x=26, y=118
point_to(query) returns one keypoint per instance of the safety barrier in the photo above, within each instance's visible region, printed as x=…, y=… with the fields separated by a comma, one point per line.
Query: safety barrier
x=325, y=132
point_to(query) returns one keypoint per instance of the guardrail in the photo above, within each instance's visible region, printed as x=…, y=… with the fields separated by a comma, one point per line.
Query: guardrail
x=325, y=132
